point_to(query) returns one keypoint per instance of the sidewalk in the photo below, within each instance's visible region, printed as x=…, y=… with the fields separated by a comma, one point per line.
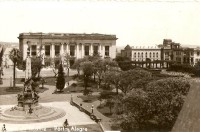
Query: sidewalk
x=104, y=120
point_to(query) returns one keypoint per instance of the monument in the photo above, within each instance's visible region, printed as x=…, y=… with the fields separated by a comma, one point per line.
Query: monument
x=28, y=65
x=28, y=109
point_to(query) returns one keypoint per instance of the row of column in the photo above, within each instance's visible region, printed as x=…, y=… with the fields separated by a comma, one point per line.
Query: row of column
x=77, y=52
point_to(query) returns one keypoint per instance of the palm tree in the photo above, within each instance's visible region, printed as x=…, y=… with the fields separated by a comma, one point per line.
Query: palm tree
x=15, y=56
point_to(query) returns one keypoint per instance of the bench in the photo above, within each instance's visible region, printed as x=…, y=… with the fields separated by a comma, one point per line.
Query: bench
x=95, y=118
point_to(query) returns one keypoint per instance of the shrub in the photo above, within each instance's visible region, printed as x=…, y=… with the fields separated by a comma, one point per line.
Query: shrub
x=107, y=94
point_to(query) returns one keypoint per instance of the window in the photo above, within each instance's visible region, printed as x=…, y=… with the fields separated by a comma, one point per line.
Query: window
x=135, y=55
x=72, y=50
x=153, y=54
x=95, y=48
x=142, y=54
x=87, y=50
x=197, y=53
x=150, y=54
x=157, y=54
x=33, y=50
x=57, y=50
x=47, y=50
x=107, y=50
x=138, y=54
x=146, y=55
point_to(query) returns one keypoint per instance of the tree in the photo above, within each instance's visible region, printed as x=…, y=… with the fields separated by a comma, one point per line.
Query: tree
x=36, y=66
x=77, y=65
x=87, y=69
x=155, y=107
x=196, y=70
x=15, y=56
x=135, y=78
x=166, y=99
x=136, y=111
x=114, y=78
x=1, y=67
x=60, y=81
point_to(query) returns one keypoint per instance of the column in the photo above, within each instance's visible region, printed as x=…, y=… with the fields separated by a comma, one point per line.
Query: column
x=91, y=49
x=99, y=50
x=61, y=49
x=77, y=51
x=52, y=50
x=103, y=50
x=30, y=50
x=67, y=49
x=83, y=51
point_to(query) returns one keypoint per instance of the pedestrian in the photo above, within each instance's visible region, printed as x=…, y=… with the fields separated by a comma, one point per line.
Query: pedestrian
x=4, y=128
x=66, y=124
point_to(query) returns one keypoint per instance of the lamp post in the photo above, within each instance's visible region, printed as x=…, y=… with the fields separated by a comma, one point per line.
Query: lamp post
x=92, y=109
x=30, y=111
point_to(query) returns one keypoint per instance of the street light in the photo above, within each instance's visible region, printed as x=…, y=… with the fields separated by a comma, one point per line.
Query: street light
x=92, y=109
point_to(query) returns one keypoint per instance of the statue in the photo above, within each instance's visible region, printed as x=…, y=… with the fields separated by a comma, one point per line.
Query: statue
x=28, y=65
x=29, y=97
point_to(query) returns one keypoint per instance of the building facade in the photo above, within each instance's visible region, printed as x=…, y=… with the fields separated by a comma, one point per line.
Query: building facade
x=139, y=53
x=163, y=54
x=52, y=45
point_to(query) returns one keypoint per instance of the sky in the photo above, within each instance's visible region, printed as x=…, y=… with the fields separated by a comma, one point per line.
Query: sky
x=133, y=22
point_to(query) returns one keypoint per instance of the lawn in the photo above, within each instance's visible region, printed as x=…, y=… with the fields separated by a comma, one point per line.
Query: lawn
x=79, y=87
x=105, y=110
x=49, y=80
x=89, y=98
x=8, y=90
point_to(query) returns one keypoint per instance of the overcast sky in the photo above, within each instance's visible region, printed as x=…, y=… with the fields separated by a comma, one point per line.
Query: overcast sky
x=134, y=23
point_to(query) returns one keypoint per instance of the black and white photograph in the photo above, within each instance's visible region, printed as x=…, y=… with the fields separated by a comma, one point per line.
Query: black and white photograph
x=99, y=65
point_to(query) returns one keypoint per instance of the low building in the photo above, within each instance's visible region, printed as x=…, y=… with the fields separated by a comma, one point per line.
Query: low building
x=138, y=53
x=54, y=45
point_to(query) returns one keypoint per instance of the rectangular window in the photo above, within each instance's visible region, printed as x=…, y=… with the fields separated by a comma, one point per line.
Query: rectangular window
x=197, y=53
x=95, y=48
x=47, y=50
x=57, y=50
x=87, y=48
x=33, y=50
x=107, y=50
x=72, y=50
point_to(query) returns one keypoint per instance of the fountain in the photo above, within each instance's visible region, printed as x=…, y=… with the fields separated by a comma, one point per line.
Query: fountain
x=28, y=109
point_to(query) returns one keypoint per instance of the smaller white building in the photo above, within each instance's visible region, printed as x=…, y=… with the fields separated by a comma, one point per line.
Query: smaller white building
x=142, y=53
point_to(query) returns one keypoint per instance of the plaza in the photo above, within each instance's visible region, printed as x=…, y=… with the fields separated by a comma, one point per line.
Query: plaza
x=47, y=99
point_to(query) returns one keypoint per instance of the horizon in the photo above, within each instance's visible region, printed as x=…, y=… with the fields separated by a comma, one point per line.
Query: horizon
x=133, y=23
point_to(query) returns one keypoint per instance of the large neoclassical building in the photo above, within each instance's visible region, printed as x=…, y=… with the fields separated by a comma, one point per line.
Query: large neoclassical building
x=77, y=46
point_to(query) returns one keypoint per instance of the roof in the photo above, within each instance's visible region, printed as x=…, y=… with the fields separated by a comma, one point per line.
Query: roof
x=68, y=36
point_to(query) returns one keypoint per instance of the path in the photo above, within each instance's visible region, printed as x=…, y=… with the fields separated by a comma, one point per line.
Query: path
x=74, y=116
x=189, y=117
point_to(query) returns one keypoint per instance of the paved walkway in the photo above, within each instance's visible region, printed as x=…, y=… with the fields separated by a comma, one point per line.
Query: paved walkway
x=74, y=116
x=48, y=97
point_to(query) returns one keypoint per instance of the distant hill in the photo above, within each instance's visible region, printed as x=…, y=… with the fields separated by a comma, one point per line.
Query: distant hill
x=10, y=44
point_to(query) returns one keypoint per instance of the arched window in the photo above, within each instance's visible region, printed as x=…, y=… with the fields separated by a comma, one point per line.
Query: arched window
x=153, y=54
x=146, y=54
x=138, y=54
x=157, y=54
x=150, y=54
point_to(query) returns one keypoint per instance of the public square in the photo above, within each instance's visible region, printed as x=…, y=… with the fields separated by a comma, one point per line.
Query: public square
x=74, y=116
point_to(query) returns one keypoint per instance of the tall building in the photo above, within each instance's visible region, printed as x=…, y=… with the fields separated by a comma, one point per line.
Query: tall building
x=52, y=45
